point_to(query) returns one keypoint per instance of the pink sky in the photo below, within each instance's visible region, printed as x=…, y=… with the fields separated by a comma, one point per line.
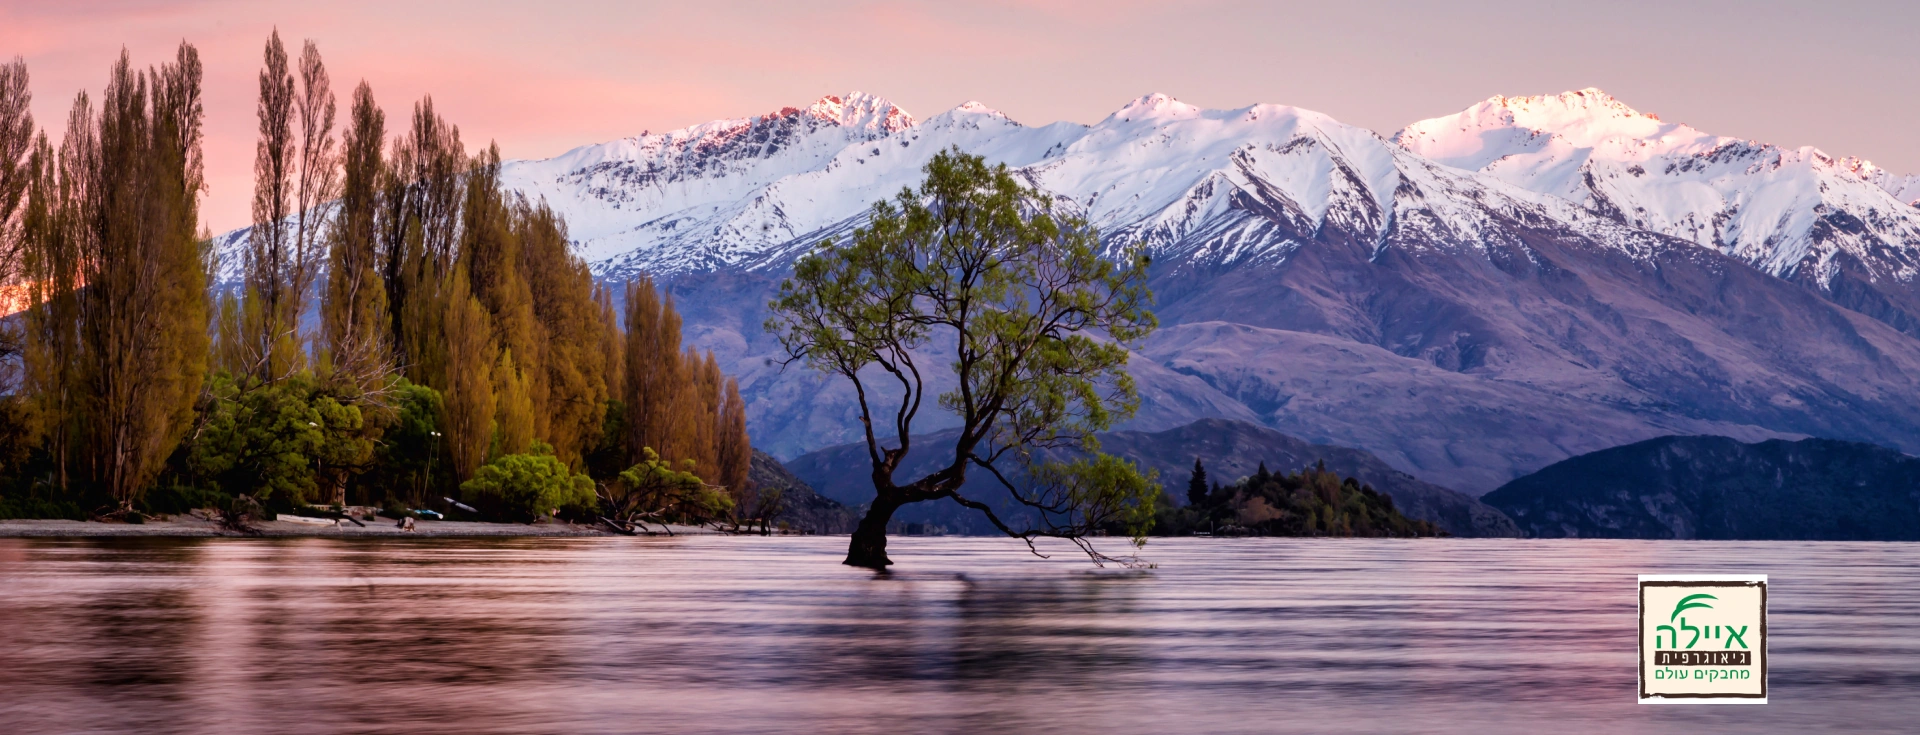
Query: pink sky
x=542, y=77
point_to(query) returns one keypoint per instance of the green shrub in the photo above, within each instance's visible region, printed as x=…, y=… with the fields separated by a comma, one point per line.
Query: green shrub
x=268, y=440
x=41, y=508
x=523, y=487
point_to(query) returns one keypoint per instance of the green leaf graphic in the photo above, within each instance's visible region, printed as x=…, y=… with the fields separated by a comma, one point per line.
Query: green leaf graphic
x=1690, y=602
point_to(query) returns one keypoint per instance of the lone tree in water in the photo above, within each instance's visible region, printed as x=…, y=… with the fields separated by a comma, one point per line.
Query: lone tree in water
x=1038, y=324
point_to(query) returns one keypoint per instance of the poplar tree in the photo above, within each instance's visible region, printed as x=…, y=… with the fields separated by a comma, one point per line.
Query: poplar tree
x=574, y=330
x=272, y=342
x=469, y=420
x=489, y=255
x=513, y=431
x=421, y=208
x=16, y=144
x=316, y=180
x=654, y=371
x=353, y=310
x=733, y=452
x=613, y=345
x=119, y=362
x=697, y=419
x=16, y=170
x=51, y=232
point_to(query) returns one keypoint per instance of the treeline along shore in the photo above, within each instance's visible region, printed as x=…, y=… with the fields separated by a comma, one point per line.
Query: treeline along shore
x=462, y=352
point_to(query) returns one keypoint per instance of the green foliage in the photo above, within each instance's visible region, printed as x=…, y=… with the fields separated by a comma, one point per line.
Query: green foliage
x=655, y=488
x=1197, y=484
x=1103, y=491
x=116, y=338
x=523, y=487
x=609, y=454
x=1039, y=321
x=1313, y=502
x=404, y=462
x=271, y=441
x=30, y=507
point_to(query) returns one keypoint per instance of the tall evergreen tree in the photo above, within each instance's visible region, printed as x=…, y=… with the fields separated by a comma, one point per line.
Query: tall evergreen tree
x=1197, y=485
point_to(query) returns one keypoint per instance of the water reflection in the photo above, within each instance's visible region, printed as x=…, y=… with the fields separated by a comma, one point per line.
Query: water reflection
x=773, y=635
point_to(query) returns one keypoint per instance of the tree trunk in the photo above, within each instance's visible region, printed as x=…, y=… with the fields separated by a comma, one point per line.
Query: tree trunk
x=869, y=546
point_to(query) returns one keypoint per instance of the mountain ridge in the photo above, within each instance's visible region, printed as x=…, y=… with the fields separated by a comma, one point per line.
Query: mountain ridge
x=1465, y=328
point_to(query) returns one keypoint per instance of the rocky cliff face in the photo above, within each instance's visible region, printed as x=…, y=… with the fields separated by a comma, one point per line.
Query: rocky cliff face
x=1703, y=487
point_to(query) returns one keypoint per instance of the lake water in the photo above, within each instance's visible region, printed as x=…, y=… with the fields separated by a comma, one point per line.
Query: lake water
x=713, y=634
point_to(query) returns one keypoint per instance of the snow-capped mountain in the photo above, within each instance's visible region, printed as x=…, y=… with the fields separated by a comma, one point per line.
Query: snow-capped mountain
x=1903, y=188
x=1479, y=297
x=1159, y=172
x=685, y=199
x=1835, y=223
x=1321, y=279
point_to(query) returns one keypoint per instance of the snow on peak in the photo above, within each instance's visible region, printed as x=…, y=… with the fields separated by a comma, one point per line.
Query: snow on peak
x=1155, y=105
x=1761, y=203
x=1584, y=103
x=971, y=113
x=861, y=110
x=1903, y=188
x=1500, y=127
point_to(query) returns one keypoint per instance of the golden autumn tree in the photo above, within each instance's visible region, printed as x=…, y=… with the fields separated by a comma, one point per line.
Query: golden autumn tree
x=470, y=356
x=353, y=307
x=117, y=363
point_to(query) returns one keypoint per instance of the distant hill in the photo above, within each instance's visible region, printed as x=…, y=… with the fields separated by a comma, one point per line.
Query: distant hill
x=800, y=507
x=1229, y=449
x=1709, y=487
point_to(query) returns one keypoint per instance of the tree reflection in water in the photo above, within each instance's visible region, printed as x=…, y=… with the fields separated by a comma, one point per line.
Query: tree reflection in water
x=294, y=636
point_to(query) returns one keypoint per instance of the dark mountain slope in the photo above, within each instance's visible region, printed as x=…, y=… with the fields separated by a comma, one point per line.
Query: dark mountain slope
x=1581, y=345
x=800, y=507
x=1707, y=487
x=1230, y=449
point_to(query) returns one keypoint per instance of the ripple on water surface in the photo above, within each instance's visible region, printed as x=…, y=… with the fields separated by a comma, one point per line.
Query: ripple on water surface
x=710, y=634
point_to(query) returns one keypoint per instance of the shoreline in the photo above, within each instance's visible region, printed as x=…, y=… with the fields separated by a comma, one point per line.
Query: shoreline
x=195, y=527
